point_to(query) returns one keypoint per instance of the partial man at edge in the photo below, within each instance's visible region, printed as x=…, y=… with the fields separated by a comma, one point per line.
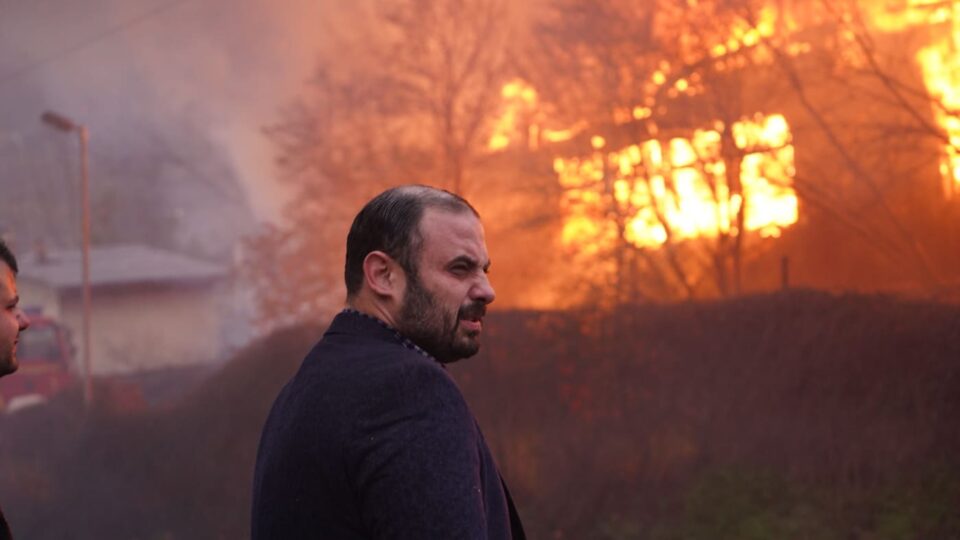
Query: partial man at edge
x=372, y=438
x=12, y=322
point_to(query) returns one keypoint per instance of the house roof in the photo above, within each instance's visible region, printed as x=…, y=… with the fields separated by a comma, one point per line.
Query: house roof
x=115, y=265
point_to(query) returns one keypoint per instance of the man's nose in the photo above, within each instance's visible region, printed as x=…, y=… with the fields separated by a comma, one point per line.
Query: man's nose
x=23, y=320
x=483, y=290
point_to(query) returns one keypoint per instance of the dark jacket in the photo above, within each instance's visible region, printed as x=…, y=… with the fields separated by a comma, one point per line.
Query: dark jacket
x=373, y=439
x=4, y=528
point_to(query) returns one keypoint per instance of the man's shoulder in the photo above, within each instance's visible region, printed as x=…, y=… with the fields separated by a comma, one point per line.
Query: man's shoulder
x=359, y=366
x=362, y=353
x=388, y=365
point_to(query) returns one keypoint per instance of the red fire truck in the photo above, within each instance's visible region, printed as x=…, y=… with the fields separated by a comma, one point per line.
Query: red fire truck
x=45, y=354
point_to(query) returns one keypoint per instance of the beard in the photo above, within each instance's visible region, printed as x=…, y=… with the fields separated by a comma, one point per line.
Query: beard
x=430, y=327
x=8, y=361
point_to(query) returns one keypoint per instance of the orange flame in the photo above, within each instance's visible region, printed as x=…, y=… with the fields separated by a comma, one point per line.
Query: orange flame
x=940, y=64
x=520, y=110
x=681, y=187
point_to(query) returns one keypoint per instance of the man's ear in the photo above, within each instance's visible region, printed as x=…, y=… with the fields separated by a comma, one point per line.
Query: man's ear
x=382, y=274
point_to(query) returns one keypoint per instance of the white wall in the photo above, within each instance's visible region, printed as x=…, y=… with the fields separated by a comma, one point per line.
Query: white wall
x=38, y=295
x=147, y=327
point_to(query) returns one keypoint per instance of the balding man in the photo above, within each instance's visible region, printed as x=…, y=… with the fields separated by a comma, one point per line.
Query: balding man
x=372, y=438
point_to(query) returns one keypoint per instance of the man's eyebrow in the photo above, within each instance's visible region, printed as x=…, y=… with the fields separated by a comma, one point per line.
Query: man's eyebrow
x=14, y=301
x=470, y=261
x=464, y=259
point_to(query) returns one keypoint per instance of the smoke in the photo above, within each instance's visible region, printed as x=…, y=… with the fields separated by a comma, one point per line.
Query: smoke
x=135, y=71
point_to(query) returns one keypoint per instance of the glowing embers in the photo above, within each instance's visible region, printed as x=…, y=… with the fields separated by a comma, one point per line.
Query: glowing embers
x=743, y=34
x=656, y=192
x=519, y=100
x=520, y=110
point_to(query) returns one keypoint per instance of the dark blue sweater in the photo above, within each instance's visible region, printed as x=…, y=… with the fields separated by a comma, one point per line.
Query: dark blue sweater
x=373, y=439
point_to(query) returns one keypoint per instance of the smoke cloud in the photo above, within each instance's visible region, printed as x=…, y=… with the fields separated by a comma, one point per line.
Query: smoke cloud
x=138, y=71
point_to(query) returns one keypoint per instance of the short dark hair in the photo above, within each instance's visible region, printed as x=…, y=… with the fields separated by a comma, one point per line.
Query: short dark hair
x=7, y=256
x=390, y=223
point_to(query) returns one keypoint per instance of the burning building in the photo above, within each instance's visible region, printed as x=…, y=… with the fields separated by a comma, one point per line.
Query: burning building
x=723, y=160
x=633, y=152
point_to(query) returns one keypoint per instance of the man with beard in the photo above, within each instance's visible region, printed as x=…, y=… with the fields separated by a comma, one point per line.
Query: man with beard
x=12, y=322
x=372, y=438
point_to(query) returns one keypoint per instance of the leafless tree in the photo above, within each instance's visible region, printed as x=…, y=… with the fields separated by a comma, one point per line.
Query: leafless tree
x=409, y=103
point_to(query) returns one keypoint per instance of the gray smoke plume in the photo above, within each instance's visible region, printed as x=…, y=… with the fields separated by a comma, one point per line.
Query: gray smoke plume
x=174, y=93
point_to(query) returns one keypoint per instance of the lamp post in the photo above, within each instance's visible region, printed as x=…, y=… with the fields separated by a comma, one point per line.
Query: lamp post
x=64, y=124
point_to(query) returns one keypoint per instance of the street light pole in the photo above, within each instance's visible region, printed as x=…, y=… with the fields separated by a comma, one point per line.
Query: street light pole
x=63, y=123
x=85, y=250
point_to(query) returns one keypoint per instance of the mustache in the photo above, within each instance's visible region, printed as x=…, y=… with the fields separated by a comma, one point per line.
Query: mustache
x=473, y=310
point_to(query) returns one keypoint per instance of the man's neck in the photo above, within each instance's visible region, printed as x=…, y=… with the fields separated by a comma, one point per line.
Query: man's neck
x=372, y=309
x=404, y=340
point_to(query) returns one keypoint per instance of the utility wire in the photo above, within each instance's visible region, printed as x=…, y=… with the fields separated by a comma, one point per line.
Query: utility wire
x=88, y=42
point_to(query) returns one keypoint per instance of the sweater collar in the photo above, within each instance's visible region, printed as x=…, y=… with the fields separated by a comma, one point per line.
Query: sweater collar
x=351, y=321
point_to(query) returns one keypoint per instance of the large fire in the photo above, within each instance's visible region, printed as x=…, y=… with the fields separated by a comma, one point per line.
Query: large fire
x=940, y=64
x=678, y=185
x=657, y=191
x=677, y=189
x=662, y=190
